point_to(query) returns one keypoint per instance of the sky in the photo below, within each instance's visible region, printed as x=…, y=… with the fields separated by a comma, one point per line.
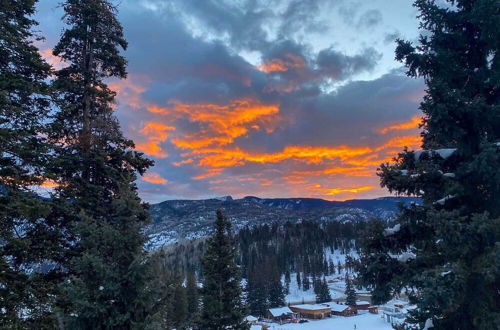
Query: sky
x=269, y=98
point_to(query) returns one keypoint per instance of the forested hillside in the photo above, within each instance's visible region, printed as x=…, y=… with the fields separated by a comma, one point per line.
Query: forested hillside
x=178, y=220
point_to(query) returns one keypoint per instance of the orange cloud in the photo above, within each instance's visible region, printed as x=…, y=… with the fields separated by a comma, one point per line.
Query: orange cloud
x=413, y=123
x=221, y=157
x=208, y=174
x=208, y=141
x=337, y=191
x=155, y=133
x=357, y=171
x=398, y=142
x=183, y=162
x=290, y=61
x=220, y=124
x=155, y=178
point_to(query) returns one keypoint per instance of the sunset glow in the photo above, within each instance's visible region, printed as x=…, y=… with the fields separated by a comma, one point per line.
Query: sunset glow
x=155, y=178
x=260, y=105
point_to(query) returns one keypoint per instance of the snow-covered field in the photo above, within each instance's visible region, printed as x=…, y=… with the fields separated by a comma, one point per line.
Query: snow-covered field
x=365, y=321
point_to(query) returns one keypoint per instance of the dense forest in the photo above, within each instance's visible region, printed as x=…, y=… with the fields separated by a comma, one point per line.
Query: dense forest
x=294, y=247
x=270, y=254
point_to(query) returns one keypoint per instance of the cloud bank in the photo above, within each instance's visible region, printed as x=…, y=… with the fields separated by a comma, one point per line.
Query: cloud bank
x=247, y=97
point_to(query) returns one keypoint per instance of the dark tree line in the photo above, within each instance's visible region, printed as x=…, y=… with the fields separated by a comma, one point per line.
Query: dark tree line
x=76, y=259
x=445, y=253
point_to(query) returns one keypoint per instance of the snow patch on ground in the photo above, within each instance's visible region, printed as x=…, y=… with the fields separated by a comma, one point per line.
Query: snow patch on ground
x=365, y=321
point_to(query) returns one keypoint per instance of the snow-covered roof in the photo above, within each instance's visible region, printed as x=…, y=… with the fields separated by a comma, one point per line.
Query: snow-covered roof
x=256, y=327
x=251, y=318
x=336, y=307
x=280, y=311
x=362, y=303
x=311, y=307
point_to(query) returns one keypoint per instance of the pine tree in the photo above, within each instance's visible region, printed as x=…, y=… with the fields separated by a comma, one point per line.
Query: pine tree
x=276, y=294
x=316, y=286
x=306, y=285
x=322, y=291
x=299, y=282
x=287, y=282
x=157, y=299
x=221, y=293
x=256, y=286
x=350, y=292
x=446, y=249
x=257, y=293
x=96, y=168
x=192, y=295
x=27, y=238
x=179, y=313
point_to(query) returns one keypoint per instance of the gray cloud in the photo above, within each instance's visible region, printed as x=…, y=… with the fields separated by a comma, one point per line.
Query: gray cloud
x=391, y=37
x=370, y=19
x=339, y=66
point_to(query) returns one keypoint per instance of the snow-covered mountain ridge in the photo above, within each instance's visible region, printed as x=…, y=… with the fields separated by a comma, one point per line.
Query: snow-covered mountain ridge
x=178, y=220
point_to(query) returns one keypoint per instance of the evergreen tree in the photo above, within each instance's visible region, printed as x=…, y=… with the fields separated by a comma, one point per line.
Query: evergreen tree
x=179, y=313
x=316, y=286
x=446, y=250
x=27, y=237
x=96, y=168
x=350, y=292
x=156, y=302
x=257, y=295
x=322, y=291
x=276, y=294
x=306, y=285
x=221, y=293
x=299, y=282
x=331, y=267
x=192, y=295
x=287, y=282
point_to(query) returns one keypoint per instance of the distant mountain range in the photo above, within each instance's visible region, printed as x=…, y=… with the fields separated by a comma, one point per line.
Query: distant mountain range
x=178, y=220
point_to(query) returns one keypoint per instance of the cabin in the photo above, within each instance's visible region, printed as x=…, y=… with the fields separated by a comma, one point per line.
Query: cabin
x=310, y=311
x=362, y=305
x=373, y=309
x=280, y=314
x=341, y=310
